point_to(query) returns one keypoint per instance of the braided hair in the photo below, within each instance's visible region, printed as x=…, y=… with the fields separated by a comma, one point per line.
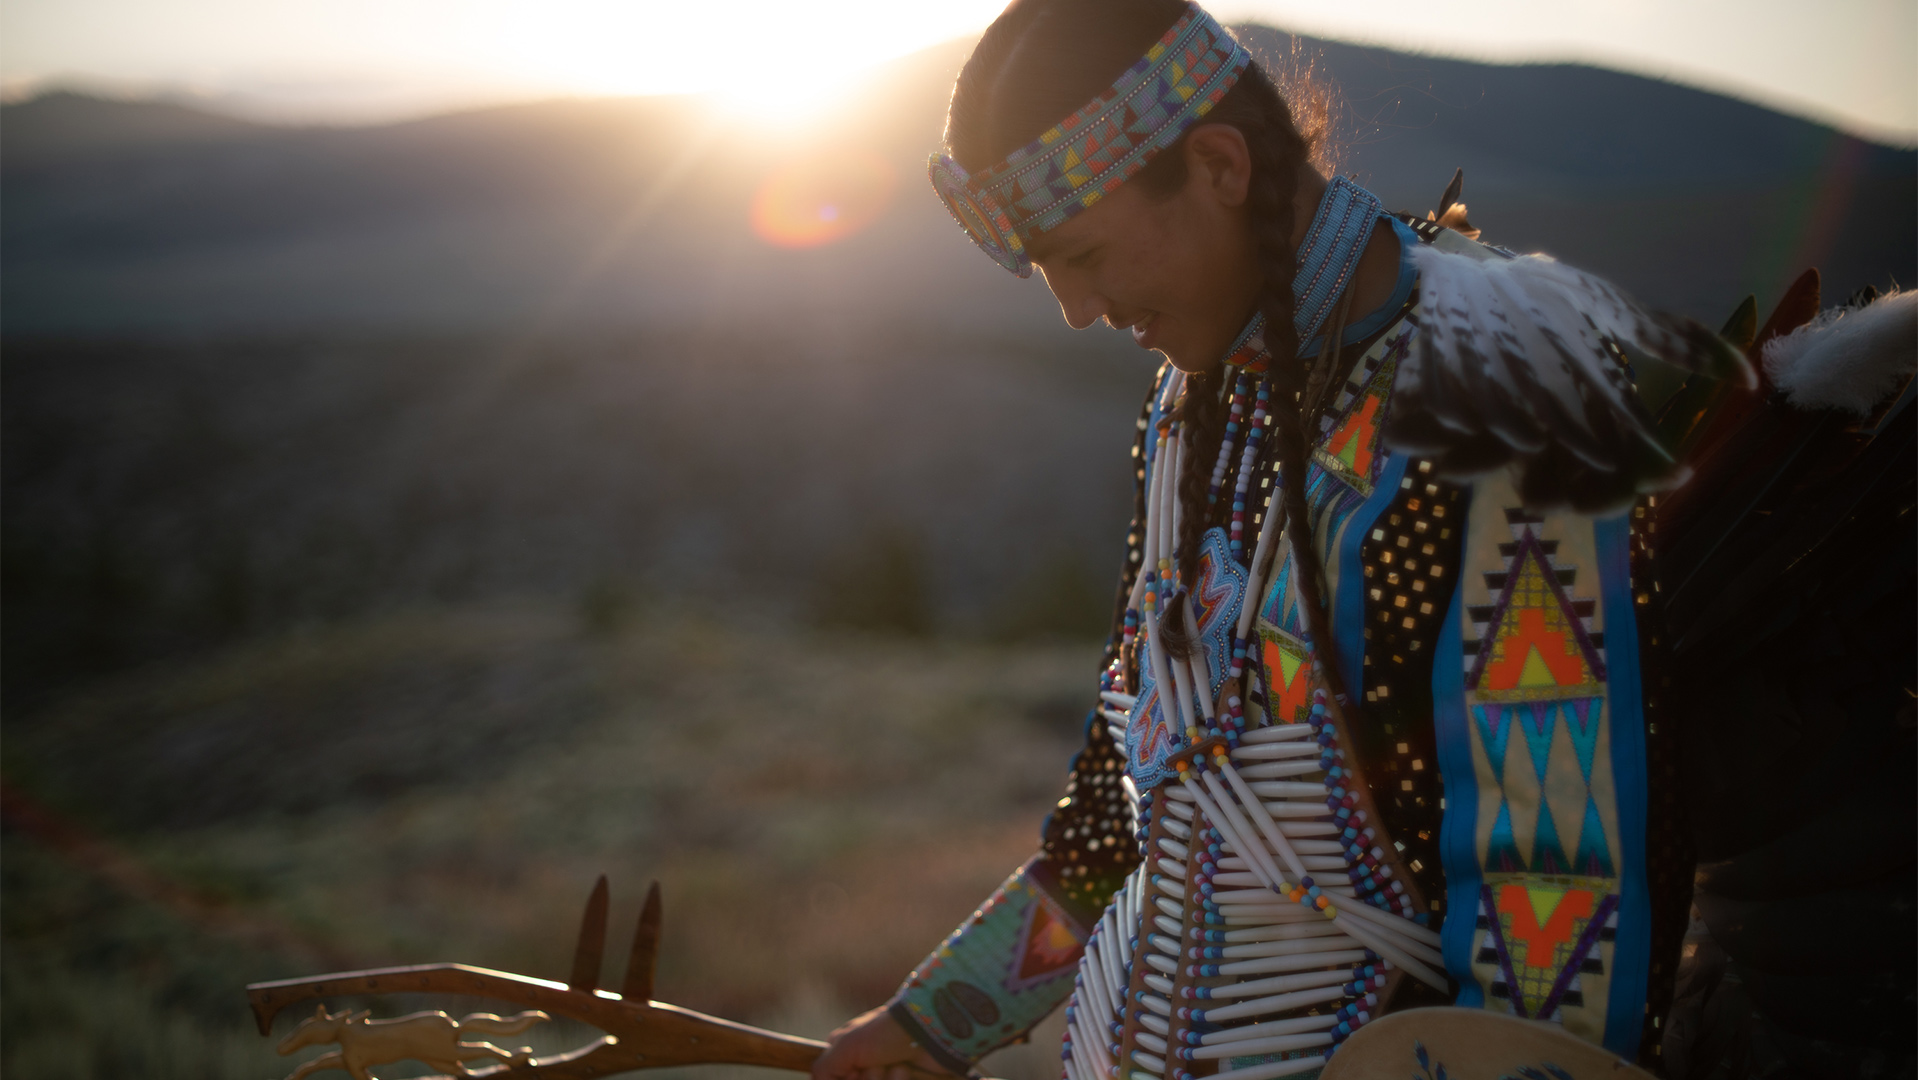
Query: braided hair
x=1042, y=59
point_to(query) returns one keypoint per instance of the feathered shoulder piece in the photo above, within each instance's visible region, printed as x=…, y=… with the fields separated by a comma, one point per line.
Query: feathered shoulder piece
x=1521, y=362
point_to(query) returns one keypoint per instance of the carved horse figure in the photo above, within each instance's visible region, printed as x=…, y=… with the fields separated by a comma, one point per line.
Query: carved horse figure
x=432, y=1038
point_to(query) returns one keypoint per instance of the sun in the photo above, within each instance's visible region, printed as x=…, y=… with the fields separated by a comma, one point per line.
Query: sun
x=772, y=61
x=785, y=98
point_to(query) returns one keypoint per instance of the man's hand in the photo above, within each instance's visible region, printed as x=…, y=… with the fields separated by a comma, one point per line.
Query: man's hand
x=873, y=1046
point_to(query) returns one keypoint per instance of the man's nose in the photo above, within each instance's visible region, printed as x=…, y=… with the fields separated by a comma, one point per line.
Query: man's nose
x=1081, y=305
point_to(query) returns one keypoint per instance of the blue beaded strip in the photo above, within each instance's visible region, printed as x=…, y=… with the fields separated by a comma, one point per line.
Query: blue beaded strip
x=1340, y=227
x=1331, y=252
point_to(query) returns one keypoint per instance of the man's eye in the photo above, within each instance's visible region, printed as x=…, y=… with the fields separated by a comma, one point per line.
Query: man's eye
x=1083, y=259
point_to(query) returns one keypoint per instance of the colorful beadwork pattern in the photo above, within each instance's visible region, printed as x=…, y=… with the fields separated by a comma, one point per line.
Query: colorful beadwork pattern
x=1216, y=599
x=1009, y=965
x=1085, y=157
x=1351, y=446
x=1541, y=747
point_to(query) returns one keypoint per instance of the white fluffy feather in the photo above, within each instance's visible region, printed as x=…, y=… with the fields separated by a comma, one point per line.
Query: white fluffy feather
x=1848, y=358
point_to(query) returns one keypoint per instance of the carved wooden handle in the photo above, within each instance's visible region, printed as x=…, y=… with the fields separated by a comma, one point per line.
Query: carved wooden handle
x=640, y=1033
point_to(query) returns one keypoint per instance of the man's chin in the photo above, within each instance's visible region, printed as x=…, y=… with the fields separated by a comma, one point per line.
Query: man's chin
x=1188, y=360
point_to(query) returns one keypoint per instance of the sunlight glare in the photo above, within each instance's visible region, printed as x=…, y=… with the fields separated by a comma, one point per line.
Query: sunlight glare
x=822, y=196
x=771, y=61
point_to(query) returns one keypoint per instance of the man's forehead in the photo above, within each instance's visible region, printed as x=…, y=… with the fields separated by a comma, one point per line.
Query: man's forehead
x=1041, y=245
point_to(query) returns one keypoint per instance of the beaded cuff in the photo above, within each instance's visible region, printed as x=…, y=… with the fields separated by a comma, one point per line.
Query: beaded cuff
x=1000, y=973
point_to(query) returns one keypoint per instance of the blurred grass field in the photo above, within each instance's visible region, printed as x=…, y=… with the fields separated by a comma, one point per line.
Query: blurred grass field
x=445, y=785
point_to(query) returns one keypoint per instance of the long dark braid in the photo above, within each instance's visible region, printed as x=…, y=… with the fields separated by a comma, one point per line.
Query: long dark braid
x=1278, y=152
x=1203, y=418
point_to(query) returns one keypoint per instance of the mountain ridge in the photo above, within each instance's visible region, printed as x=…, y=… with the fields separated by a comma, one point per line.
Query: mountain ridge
x=129, y=218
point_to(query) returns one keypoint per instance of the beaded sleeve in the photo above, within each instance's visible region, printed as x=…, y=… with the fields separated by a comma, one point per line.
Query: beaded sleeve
x=1012, y=961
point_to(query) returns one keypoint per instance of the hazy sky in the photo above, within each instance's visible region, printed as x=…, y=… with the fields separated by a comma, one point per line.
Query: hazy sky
x=1853, y=62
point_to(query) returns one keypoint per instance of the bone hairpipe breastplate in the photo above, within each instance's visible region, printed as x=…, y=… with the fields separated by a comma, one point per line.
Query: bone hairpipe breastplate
x=1269, y=918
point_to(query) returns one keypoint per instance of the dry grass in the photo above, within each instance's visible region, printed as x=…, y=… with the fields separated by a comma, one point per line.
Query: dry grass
x=819, y=812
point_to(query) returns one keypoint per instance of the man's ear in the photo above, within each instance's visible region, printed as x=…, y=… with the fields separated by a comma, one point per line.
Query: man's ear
x=1217, y=157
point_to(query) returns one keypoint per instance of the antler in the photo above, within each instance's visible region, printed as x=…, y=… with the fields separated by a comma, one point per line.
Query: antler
x=640, y=1033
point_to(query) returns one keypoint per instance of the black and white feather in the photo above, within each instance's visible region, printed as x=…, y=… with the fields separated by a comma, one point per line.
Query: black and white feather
x=1521, y=362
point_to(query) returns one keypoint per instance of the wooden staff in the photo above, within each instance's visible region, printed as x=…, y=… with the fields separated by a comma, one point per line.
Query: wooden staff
x=640, y=1033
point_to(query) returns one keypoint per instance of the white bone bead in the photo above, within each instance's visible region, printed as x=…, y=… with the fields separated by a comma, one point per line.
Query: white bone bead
x=1283, y=932
x=1276, y=733
x=1295, y=946
x=1266, y=965
x=1278, y=770
x=1276, y=1045
x=1272, y=1070
x=1155, y=1064
x=1289, y=789
x=1269, y=1029
x=1262, y=1006
x=1277, y=751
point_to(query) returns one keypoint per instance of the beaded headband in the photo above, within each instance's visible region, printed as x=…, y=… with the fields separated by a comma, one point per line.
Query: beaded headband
x=1089, y=154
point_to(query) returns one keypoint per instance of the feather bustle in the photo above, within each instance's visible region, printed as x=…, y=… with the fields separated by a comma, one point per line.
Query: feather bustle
x=1522, y=362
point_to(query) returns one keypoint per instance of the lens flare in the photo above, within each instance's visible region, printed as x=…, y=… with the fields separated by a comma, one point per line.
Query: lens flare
x=822, y=197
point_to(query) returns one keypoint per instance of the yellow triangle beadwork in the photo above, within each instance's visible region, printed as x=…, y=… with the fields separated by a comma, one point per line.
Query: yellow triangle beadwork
x=1544, y=902
x=1289, y=665
x=1535, y=673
